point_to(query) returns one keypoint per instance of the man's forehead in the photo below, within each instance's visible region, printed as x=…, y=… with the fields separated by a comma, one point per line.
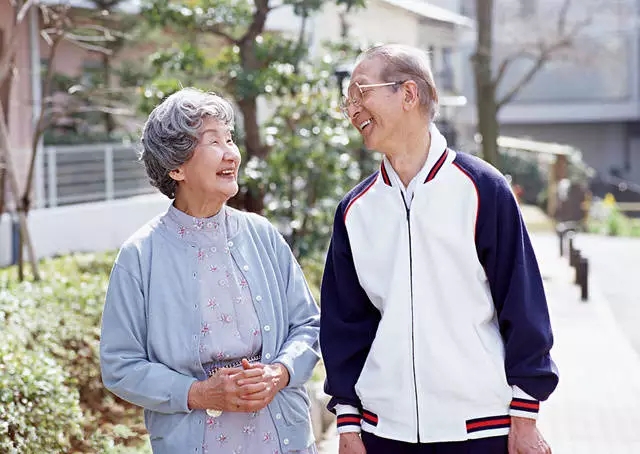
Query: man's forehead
x=365, y=72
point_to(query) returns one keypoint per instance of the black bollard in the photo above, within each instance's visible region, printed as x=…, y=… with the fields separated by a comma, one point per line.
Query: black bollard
x=561, y=242
x=574, y=258
x=583, y=272
x=571, y=237
x=577, y=257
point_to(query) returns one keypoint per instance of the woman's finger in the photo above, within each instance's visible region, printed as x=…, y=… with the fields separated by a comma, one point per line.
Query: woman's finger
x=251, y=380
x=250, y=389
x=266, y=393
x=247, y=373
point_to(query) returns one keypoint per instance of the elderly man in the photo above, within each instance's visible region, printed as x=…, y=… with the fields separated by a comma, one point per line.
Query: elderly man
x=434, y=329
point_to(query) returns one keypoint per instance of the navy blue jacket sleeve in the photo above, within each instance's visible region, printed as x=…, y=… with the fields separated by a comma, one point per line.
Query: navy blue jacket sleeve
x=505, y=251
x=348, y=320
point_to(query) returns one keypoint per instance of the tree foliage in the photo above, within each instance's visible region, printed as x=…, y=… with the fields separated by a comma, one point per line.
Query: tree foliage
x=315, y=159
x=223, y=45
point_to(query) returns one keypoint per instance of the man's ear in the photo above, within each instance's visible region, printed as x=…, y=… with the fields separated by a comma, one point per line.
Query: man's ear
x=411, y=97
x=177, y=174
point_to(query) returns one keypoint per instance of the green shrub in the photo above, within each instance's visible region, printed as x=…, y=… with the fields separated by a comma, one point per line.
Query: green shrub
x=39, y=411
x=51, y=395
x=614, y=223
x=49, y=334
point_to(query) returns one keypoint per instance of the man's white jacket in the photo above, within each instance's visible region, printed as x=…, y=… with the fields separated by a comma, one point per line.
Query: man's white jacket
x=434, y=322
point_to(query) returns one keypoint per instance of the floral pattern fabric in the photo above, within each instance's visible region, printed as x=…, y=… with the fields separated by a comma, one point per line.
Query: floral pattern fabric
x=230, y=330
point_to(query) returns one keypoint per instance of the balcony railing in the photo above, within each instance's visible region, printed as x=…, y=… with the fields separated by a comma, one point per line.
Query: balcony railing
x=67, y=175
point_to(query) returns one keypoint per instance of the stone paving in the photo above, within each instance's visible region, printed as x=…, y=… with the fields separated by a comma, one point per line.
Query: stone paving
x=596, y=407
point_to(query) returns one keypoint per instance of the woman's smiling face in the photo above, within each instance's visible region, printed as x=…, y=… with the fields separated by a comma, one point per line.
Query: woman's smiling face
x=212, y=170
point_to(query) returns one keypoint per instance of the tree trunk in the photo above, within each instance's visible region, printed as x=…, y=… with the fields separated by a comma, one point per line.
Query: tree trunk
x=109, y=122
x=253, y=196
x=486, y=106
x=488, y=126
x=3, y=173
x=13, y=184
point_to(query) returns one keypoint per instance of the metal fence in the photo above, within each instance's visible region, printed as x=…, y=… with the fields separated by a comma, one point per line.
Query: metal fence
x=68, y=175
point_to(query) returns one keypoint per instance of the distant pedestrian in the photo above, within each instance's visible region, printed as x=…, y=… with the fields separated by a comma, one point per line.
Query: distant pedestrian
x=435, y=330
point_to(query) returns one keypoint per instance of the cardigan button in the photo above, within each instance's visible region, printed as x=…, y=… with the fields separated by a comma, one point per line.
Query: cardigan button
x=258, y=298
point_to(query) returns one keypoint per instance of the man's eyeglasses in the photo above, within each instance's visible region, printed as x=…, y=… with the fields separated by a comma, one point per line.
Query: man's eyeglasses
x=355, y=98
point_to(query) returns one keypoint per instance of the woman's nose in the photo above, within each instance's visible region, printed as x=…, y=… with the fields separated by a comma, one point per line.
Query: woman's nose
x=232, y=153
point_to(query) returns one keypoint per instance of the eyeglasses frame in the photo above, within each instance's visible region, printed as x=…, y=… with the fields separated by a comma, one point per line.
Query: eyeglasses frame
x=348, y=101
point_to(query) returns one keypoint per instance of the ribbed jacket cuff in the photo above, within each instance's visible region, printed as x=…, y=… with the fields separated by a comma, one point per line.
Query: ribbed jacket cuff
x=523, y=405
x=348, y=418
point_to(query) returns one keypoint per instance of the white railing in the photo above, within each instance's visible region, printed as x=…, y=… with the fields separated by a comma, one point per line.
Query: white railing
x=68, y=174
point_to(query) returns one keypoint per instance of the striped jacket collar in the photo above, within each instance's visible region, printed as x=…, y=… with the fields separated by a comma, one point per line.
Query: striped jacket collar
x=437, y=155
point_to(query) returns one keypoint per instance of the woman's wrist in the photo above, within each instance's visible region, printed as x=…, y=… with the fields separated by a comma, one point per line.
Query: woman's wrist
x=195, y=397
x=283, y=376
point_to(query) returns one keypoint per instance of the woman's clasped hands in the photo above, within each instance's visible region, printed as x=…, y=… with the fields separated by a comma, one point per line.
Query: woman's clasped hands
x=247, y=389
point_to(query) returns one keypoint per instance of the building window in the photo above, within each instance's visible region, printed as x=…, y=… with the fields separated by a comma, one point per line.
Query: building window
x=446, y=74
x=528, y=8
x=468, y=8
x=432, y=59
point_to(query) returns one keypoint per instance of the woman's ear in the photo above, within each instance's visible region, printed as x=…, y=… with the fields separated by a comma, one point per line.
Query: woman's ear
x=177, y=174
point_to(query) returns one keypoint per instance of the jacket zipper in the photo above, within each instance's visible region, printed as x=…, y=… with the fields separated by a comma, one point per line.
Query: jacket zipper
x=413, y=356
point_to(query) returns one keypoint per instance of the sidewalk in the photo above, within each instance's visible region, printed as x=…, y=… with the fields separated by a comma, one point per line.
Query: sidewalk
x=596, y=407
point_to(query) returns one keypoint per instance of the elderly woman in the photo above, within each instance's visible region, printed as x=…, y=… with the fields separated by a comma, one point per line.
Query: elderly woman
x=208, y=323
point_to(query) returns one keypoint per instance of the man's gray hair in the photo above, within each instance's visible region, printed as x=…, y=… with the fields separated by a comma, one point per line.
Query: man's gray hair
x=171, y=133
x=407, y=63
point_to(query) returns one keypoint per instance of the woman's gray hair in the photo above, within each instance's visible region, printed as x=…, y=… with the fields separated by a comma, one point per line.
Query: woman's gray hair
x=407, y=63
x=171, y=133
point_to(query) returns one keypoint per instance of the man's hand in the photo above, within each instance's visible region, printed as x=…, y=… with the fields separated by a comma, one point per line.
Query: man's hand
x=351, y=443
x=524, y=437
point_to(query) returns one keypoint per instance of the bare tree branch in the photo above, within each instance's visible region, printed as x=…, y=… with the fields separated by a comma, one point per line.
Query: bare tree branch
x=92, y=47
x=24, y=10
x=509, y=60
x=6, y=62
x=543, y=57
x=562, y=17
x=257, y=24
x=216, y=30
x=88, y=39
x=545, y=54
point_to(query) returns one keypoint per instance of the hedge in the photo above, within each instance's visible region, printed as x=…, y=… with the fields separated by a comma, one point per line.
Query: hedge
x=51, y=396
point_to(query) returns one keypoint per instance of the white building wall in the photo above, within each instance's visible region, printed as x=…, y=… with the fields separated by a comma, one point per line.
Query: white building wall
x=378, y=23
x=85, y=227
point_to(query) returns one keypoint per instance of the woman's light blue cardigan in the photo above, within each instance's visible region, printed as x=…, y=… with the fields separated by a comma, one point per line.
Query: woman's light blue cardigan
x=151, y=324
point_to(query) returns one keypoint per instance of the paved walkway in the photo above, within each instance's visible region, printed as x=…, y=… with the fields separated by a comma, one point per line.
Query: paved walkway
x=596, y=407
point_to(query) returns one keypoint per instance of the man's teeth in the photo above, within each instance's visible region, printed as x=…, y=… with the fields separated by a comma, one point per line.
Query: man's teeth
x=364, y=123
x=227, y=172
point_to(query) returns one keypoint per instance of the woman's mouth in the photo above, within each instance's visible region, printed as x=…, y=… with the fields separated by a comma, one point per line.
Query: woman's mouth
x=227, y=173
